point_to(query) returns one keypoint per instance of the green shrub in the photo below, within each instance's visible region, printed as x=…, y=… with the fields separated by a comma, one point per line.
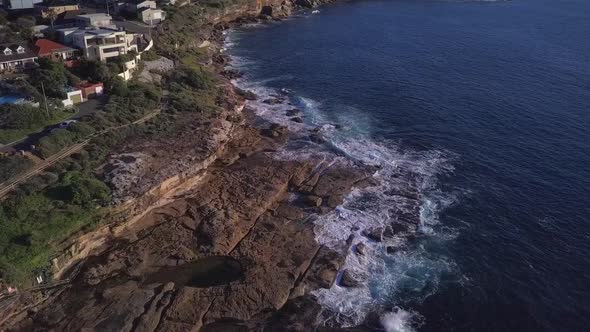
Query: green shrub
x=13, y=116
x=11, y=166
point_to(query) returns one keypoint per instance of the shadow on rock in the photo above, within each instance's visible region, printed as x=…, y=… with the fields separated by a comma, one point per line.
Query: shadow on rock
x=205, y=272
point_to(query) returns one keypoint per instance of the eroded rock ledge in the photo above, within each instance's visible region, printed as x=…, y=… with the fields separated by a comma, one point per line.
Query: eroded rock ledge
x=250, y=207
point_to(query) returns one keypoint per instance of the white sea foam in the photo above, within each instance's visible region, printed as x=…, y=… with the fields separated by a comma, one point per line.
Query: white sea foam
x=400, y=320
x=408, y=193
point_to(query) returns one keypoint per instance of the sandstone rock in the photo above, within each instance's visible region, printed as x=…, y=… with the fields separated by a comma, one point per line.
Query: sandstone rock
x=313, y=200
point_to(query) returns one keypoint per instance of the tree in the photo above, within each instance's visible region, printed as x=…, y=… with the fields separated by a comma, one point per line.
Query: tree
x=84, y=190
x=52, y=16
x=118, y=86
x=94, y=70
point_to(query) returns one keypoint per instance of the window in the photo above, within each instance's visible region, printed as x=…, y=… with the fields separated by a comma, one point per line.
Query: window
x=20, y=50
x=7, y=51
x=111, y=49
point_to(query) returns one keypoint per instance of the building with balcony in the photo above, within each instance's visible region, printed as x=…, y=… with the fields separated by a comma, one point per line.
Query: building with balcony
x=102, y=44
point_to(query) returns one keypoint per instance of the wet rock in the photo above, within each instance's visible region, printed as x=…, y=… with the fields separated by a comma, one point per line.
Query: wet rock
x=248, y=95
x=388, y=232
x=397, y=228
x=266, y=10
x=293, y=112
x=334, y=200
x=391, y=250
x=360, y=249
x=275, y=130
x=317, y=138
x=373, y=234
x=298, y=314
x=297, y=119
x=347, y=280
x=231, y=73
x=274, y=100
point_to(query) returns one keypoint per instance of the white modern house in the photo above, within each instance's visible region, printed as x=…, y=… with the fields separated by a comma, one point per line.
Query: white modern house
x=102, y=44
x=152, y=16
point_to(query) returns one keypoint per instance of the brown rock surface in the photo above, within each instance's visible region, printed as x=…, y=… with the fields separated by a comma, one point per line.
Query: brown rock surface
x=239, y=209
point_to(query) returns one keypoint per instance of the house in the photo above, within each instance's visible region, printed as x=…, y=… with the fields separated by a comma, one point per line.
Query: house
x=90, y=90
x=135, y=6
x=97, y=20
x=74, y=96
x=102, y=44
x=55, y=51
x=68, y=19
x=20, y=4
x=56, y=7
x=16, y=56
x=152, y=16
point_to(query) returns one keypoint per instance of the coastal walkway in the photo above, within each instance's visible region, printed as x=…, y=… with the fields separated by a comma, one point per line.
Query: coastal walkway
x=9, y=185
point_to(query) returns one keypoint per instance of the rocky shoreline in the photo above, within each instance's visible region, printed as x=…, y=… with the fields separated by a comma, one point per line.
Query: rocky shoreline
x=212, y=199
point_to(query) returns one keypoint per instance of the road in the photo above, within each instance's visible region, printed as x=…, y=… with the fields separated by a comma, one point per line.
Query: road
x=87, y=108
x=9, y=185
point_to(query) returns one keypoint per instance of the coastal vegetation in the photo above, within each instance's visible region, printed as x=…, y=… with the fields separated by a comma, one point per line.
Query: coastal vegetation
x=50, y=207
x=33, y=221
x=71, y=196
x=13, y=165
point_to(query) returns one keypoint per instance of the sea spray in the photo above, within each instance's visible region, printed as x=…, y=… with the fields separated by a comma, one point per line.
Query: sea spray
x=400, y=320
x=399, y=269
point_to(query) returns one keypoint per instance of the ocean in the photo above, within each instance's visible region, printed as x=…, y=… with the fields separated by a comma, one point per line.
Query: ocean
x=481, y=110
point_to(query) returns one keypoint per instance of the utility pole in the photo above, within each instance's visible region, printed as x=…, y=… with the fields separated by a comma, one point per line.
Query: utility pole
x=45, y=99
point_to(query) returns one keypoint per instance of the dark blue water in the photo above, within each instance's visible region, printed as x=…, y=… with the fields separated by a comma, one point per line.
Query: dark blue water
x=501, y=92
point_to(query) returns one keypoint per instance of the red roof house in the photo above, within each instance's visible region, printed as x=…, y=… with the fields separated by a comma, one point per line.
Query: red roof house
x=55, y=51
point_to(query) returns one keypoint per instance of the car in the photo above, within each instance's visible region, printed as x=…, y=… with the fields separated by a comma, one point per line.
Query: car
x=67, y=123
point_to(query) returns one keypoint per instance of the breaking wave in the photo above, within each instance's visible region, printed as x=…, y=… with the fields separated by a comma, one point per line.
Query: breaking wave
x=395, y=258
